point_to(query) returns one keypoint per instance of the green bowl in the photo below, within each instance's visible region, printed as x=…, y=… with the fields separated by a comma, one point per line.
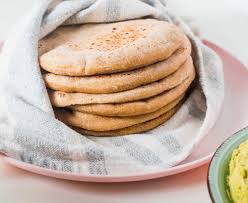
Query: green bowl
x=218, y=168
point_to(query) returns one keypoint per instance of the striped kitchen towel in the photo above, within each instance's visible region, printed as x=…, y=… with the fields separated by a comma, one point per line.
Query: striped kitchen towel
x=29, y=131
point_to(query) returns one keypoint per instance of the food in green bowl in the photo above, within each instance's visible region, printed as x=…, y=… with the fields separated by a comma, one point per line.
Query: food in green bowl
x=227, y=176
x=237, y=179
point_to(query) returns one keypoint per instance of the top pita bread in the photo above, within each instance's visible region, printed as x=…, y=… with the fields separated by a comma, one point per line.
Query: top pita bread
x=108, y=48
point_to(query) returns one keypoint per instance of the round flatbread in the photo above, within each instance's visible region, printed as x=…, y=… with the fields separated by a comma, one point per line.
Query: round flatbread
x=138, y=107
x=117, y=82
x=138, y=128
x=95, y=49
x=103, y=123
x=63, y=99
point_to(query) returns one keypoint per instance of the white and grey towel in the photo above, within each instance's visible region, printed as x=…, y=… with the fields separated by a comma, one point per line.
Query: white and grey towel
x=29, y=131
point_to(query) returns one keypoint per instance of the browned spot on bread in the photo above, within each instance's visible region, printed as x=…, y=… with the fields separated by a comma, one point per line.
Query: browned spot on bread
x=118, y=38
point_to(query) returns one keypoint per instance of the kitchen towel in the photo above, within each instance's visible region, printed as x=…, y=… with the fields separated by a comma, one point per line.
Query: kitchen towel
x=30, y=132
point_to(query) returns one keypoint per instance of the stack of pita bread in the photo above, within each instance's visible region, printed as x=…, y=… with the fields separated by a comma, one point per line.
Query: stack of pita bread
x=116, y=78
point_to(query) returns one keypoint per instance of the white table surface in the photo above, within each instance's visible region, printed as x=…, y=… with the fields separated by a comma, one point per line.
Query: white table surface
x=220, y=23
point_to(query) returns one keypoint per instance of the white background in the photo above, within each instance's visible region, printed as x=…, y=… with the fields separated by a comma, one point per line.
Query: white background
x=223, y=22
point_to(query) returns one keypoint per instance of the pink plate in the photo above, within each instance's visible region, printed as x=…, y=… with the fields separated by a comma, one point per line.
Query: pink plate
x=233, y=117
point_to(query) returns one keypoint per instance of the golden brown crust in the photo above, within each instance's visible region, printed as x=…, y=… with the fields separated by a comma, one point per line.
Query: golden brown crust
x=138, y=128
x=63, y=99
x=138, y=107
x=103, y=123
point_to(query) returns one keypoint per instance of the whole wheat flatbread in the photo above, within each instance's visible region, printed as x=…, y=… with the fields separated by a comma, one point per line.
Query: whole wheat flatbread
x=103, y=123
x=109, y=48
x=117, y=82
x=138, y=128
x=138, y=107
x=63, y=99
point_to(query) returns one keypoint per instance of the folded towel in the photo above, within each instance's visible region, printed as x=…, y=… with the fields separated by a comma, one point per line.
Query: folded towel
x=29, y=131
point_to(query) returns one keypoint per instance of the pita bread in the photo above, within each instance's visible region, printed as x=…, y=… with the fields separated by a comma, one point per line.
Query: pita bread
x=103, y=123
x=117, y=82
x=138, y=128
x=63, y=99
x=95, y=49
x=138, y=107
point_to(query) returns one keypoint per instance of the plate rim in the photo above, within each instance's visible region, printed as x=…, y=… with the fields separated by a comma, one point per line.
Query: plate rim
x=108, y=178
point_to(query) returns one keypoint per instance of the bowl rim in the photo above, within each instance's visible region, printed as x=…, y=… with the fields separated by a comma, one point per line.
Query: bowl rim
x=231, y=143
